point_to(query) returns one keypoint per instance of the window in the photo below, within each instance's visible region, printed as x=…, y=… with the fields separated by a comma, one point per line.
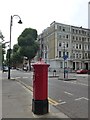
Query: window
x=73, y=55
x=63, y=36
x=86, y=55
x=59, y=27
x=82, y=31
x=60, y=44
x=88, y=47
x=67, y=45
x=76, y=46
x=79, y=38
x=73, y=46
x=67, y=54
x=76, y=31
x=79, y=31
x=79, y=46
x=61, y=64
x=66, y=64
x=63, y=29
x=73, y=30
x=88, y=39
x=76, y=38
x=60, y=36
x=77, y=55
x=67, y=36
x=83, y=39
x=85, y=47
x=73, y=37
x=63, y=53
x=59, y=53
x=80, y=55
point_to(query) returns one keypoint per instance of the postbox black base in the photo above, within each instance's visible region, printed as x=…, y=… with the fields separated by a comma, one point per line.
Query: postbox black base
x=40, y=107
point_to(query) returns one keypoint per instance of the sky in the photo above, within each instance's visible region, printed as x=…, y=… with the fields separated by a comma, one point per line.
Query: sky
x=39, y=14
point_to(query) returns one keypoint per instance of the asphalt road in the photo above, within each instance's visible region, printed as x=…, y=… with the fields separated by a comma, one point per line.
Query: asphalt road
x=70, y=97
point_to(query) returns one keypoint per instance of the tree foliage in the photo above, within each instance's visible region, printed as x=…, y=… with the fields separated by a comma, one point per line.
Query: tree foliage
x=16, y=57
x=28, y=46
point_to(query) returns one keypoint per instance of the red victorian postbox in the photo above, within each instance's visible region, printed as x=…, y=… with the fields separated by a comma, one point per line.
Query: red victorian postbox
x=40, y=88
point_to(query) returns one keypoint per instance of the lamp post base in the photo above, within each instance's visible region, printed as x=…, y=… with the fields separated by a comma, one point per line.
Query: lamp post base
x=40, y=107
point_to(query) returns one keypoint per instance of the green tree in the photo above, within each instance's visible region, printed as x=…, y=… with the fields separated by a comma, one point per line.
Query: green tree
x=28, y=45
x=16, y=58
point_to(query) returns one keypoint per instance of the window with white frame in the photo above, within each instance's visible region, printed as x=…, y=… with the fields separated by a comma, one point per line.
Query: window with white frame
x=76, y=55
x=73, y=37
x=76, y=38
x=66, y=64
x=80, y=55
x=76, y=46
x=80, y=38
x=86, y=55
x=63, y=28
x=73, y=55
x=61, y=64
x=67, y=54
x=67, y=45
x=67, y=36
x=85, y=47
x=60, y=28
x=60, y=54
x=60, y=44
x=80, y=46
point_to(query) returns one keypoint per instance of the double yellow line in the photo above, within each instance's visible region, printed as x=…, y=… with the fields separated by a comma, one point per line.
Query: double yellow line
x=51, y=101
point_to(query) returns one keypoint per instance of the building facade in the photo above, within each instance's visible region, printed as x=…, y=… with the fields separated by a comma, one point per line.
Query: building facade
x=64, y=45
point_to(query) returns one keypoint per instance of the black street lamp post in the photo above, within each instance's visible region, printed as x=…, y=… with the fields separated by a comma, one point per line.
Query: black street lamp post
x=9, y=51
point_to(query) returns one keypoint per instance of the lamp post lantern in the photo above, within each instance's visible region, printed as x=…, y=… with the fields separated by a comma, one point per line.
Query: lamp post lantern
x=9, y=51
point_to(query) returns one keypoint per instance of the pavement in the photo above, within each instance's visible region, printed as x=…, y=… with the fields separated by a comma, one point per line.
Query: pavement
x=17, y=102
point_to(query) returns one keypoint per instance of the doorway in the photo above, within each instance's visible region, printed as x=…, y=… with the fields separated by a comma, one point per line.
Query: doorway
x=73, y=65
x=86, y=66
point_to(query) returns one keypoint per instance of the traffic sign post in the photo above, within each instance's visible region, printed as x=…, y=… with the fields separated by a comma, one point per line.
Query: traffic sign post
x=65, y=58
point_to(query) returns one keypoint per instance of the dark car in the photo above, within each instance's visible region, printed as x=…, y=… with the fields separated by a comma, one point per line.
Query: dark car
x=5, y=68
x=82, y=71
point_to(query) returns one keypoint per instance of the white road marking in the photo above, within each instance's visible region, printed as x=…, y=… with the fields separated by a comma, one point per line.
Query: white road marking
x=18, y=77
x=59, y=100
x=85, y=98
x=74, y=82
x=83, y=84
x=68, y=93
x=62, y=103
x=25, y=77
x=81, y=98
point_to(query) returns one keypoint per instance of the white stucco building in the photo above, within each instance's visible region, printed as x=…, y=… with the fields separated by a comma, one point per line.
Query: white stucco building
x=61, y=39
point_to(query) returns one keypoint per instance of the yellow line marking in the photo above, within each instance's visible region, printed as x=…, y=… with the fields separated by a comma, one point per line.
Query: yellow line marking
x=51, y=101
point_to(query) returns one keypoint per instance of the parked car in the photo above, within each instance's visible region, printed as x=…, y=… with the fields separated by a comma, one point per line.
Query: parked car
x=5, y=69
x=82, y=71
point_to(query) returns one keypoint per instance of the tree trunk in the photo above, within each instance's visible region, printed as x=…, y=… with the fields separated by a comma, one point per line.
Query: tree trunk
x=29, y=65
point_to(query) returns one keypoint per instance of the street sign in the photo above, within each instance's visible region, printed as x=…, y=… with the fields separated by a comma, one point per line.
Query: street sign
x=65, y=57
